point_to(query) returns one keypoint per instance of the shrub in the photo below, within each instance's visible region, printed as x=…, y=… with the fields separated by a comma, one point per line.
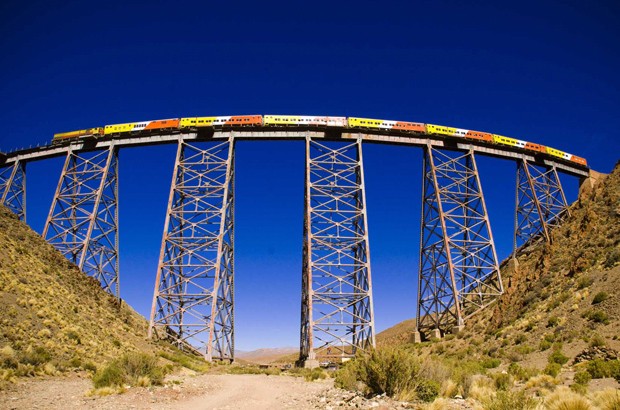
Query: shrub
x=597, y=340
x=503, y=381
x=515, y=400
x=582, y=377
x=544, y=345
x=520, y=338
x=490, y=363
x=597, y=316
x=599, y=297
x=388, y=370
x=558, y=357
x=135, y=369
x=553, y=369
x=599, y=368
x=35, y=357
x=564, y=399
x=553, y=321
x=584, y=282
x=607, y=399
x=543, y=381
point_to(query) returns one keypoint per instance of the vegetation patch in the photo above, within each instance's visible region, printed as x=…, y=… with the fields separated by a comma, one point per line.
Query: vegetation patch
x=133, y=369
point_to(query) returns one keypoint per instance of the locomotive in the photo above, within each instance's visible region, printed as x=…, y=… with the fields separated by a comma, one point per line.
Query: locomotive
x=353, y=123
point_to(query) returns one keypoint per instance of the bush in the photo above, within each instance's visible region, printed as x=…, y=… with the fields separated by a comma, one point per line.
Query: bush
x=599, y=297
x=135, y=369
x=582, y=377
x=388, y=370
x=584, y=282
x=597, y=340
x=515, y=400
x=564, y=399
x=544, y=345
x=558, y=357
x=503, y=381
x=490, y=363
x=599, y=368
x=553, y=321
x=596, y=316
x=553, y=369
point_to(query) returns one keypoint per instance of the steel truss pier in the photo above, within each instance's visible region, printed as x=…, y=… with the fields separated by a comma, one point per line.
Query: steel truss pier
x=193, y=298
x=540, y=202
x=83, y=219
x=459, y=272
x=13, y=188
x=337, y=312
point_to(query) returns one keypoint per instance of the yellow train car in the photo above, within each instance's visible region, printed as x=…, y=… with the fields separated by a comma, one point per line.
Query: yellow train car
x=197, y=122
x=119, y=128
x=558, y=153
x=89, y=132
x=512, y=142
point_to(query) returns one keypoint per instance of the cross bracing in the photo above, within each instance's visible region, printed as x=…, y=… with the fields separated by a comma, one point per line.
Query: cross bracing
x=540, y=202
x=83, y=219
x=13, y=188
x=193, y=300
x=459, y=272
x=337, y=311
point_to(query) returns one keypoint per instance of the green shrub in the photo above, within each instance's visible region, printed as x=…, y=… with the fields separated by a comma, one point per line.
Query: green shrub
x=553, y=321
x=544, y=345
x=490, y=363
x=597, y=316
x=597, y=340
x=584, y=282
x=599, y=297
x=521, y=373
x=553, y=369
x=582, y=377
x=520, y=338
x=503, y=381
x=132, y=368
x=392, y=371
x=35, y=357
x=558, y=357
x=599, y=368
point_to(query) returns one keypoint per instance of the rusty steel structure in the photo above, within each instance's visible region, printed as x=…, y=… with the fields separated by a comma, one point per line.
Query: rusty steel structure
x=540, y=202
x=459, y=272
x=337, y=311
x=194, y=287
x=83, y=219
x=193, y=300
x=13, y=188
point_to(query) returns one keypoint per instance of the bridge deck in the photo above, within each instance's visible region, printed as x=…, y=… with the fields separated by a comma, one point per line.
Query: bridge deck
x=287, y=133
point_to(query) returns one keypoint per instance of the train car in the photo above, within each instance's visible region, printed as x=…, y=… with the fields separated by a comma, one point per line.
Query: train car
x=146, y=126
x=372, y=123
x=221, y=121
x=459, y=132
x=535, y=147
x=89, y=132
x=579, y=160
x=296, y=120
x=557, y=153
x=511, y=142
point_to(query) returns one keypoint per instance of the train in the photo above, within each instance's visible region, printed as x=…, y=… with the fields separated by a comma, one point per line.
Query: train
x=354, y=123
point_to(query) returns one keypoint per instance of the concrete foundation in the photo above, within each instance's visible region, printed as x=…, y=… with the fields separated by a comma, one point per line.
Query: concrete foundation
x=457, y=329
x=416, y=337
x=436, y=334
x=311, y=364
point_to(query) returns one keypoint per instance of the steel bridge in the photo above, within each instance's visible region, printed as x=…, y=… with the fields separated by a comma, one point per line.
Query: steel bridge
x=193, y=302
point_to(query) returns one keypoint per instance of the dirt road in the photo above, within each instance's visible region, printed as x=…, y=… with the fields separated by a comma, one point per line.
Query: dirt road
x=192, y=392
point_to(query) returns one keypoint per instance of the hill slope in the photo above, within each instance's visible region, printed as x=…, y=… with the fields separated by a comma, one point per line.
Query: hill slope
x=52, y=316
x=565, y=292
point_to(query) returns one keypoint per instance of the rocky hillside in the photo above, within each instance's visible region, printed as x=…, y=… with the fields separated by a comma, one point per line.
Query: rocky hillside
x=566, y=293
x=52, y=316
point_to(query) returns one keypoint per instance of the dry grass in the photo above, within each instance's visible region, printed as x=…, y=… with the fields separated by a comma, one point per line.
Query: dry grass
x=565, y=399
x=607, y=399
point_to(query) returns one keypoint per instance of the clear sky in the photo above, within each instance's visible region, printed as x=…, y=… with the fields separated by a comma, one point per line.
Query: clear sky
x=541, y=71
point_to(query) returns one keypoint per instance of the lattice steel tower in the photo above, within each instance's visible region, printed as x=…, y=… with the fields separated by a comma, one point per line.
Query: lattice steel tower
x=13, y=188
x=337, y=311
x=540, y=202
x=459, y=272
x=83, y=218
x=193, y=300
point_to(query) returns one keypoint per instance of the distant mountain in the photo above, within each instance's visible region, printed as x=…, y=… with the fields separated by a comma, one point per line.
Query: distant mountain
x=266, y=355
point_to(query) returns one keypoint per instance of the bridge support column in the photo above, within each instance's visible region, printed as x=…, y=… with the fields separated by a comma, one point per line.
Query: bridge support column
x=193, y=298
x=540, y=202
x=337, y=311
x=459, y=272
x=13, y=188
x=83, y=219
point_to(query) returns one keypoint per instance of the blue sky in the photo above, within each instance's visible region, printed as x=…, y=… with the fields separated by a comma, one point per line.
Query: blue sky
x=541, y=71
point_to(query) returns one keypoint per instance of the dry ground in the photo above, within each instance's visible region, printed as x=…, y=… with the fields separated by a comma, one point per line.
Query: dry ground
x=194, y=392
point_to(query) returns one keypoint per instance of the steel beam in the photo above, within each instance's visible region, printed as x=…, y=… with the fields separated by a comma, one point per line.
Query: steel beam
x=83, y=219
x=337, y=317
x=13, y=188
x=193, y=298
x=540, y=202
x=458, y=272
